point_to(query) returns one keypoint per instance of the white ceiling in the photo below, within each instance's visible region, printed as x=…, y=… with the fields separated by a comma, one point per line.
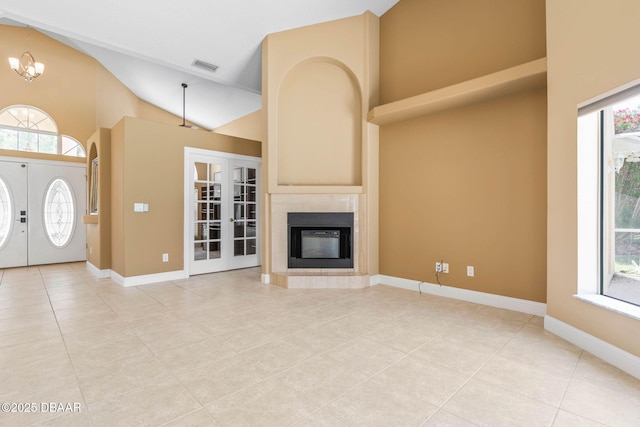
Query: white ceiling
x=149, y=45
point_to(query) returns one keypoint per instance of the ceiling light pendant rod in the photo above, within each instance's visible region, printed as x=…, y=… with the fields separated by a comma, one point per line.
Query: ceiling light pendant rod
x=184, y=92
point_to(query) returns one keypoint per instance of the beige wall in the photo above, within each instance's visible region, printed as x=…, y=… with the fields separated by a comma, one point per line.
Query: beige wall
x=310, y=75
x=430, y=44
x=467, y=186
x=319, y=142
x=117, y=197
x=591, y=51
x=148, y=167
x=99, y=235
x=120, y=100
x=247, y=127
x=67, y=88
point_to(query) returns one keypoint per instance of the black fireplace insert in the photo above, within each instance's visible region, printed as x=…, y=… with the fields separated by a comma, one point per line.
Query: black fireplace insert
x=320, y=239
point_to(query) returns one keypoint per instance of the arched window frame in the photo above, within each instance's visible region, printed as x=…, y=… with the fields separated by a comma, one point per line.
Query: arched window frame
x=39, y=135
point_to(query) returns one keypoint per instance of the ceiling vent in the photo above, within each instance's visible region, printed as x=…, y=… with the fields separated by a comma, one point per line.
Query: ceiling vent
x=204, y=66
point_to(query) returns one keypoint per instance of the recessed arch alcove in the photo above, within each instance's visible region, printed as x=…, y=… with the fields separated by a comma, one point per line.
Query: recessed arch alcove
x=319, y=135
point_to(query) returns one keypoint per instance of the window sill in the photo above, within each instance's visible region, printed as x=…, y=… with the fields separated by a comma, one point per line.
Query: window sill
x=90, y=219
x=612, y=304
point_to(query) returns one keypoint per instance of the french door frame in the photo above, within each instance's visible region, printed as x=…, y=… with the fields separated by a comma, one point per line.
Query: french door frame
x=190, y=152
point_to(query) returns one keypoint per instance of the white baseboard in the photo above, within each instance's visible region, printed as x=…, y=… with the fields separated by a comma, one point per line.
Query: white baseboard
x=100, y=274
x=146, y=279
x=611, y=354
x=508, y=303
x=265, y=278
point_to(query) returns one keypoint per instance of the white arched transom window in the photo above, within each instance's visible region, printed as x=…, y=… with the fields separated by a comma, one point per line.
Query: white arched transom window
x=59, y=212
x=5, y=213
x=25, y=128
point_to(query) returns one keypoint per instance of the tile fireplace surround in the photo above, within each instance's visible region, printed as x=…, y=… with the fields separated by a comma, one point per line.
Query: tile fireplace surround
x=281, y=205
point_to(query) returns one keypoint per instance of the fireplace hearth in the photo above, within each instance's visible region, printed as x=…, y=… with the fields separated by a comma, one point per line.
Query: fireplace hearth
x=320, y=239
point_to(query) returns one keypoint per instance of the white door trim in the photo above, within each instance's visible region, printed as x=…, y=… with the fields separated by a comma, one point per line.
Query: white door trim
x=188, y=177
x=42, y=161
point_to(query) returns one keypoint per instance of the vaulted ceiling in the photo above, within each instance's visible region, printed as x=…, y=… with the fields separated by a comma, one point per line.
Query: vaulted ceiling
x=150, y=45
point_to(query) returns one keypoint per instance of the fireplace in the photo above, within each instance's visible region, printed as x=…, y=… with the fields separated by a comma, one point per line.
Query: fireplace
x=320, y=239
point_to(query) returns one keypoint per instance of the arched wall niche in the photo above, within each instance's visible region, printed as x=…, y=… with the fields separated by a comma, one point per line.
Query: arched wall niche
x=319, y=127
x=93, y=180
x=93, y=151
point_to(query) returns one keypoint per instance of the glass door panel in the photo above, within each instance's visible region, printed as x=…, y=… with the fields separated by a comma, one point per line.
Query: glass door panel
x=207, y=233
x=244, y=208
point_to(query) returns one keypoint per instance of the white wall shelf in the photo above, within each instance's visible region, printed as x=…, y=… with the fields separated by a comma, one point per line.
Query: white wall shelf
x=521, y=77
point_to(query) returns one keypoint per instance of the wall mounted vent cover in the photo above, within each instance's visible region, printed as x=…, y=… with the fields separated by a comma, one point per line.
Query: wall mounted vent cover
x=204, y=66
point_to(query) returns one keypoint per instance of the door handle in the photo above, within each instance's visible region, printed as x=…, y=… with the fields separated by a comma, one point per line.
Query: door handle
x=232, y=220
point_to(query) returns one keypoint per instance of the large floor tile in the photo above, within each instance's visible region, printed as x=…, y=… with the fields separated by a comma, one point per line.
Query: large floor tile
x=366, y=356
x=94, y=356
x=521, y=378
x=120, y=377
x=198, y=418
x=266, y=404
x=409, y=332
x=195, y=355
x=321, y=418
x=221, y=378
x=598, y=372
x=567, y=419
x=450, y=355
x=373, y=404
x=151, y=405
x=445, y=419
x=486, y=405
x=603, y=405
x=479, y=340
x=431, y=383
x=542, y=350
x=322, y=379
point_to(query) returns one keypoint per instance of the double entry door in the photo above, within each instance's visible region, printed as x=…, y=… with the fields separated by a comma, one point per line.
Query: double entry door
x=41, y=207
x=223, y=211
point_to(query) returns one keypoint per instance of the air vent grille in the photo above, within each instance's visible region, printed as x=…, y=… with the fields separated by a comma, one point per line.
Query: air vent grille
x=204, y=65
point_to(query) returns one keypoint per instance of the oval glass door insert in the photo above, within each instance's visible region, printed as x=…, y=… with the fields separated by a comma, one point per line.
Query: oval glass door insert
x=5, y=213
x=59, y=212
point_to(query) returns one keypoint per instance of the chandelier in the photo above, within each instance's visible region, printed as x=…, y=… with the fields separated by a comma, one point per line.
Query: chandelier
x=26, y=66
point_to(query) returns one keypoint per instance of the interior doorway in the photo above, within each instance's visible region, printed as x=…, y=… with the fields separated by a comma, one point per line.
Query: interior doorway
x=222, y=211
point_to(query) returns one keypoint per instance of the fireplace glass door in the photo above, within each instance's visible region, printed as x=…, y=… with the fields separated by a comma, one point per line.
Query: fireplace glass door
x=320, y=244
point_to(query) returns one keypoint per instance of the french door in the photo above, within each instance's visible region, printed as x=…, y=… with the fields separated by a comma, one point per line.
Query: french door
x=222, y=206
x=41, y=207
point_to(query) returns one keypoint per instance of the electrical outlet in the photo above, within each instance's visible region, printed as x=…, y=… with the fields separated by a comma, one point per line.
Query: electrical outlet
x=438, y=267
x=470, y=271
x=445, y=267
x=165, y=257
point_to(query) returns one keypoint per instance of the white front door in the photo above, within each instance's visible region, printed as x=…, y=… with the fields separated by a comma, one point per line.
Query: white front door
x=222, y=211
x=41, y=208
x=13, y=214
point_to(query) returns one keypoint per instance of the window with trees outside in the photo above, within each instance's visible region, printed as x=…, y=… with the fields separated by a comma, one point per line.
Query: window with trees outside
x=619, y=125
x=25, y=128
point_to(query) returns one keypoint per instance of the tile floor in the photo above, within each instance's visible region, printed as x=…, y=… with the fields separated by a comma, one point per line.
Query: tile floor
x=225, y=350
